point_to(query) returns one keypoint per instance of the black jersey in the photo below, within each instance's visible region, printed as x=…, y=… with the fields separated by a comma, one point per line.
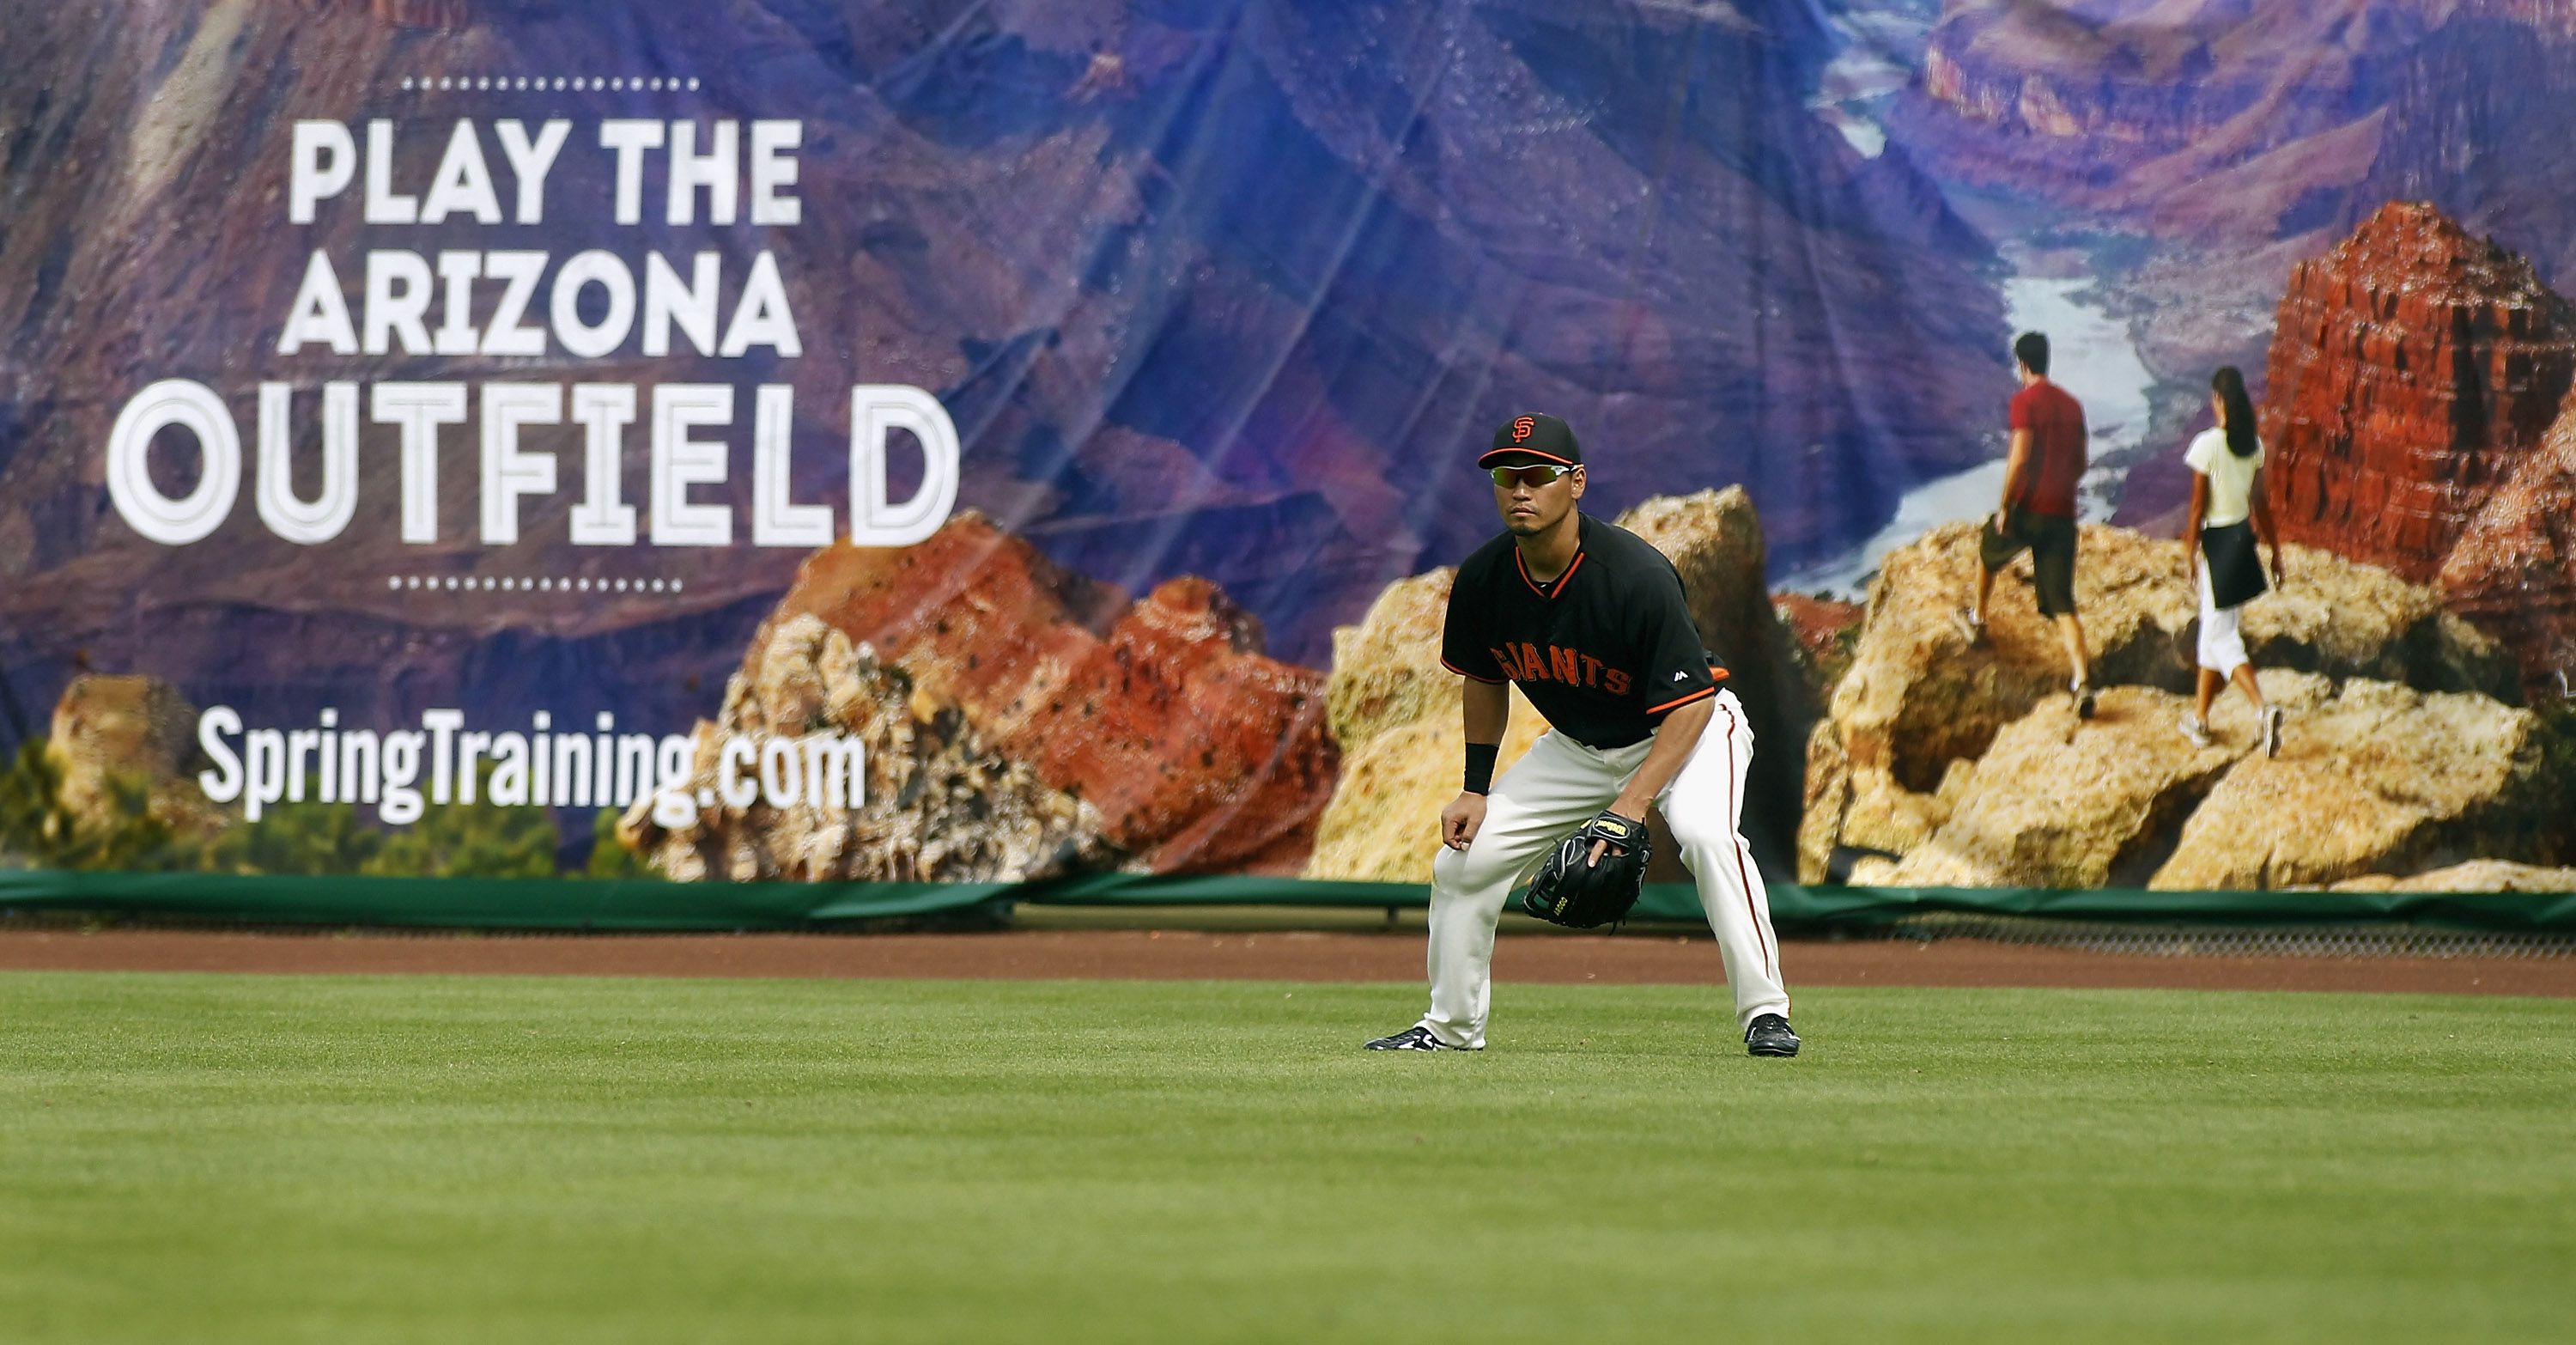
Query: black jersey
x=1605, y=652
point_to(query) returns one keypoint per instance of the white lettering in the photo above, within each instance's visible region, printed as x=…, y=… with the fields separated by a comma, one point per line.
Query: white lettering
x=876, y=412
x=325, y=158
x=530, y=163
x=680, y=462
x=463, y=183
x=507, y=472
x=328, y=513
x=195, y=408
x=776, y=520
x=383, y=206
x=223, y=783
x=420, y=408
x=603, y=410
x=629, y=138
x=320, y=313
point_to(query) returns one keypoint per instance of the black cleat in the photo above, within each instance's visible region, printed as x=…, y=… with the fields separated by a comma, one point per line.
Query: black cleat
x=1769, y=1035
x=1415, y=1038
x=2083, y=699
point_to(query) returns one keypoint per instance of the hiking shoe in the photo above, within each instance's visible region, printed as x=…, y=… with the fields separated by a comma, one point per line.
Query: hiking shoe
x=2083, y=698
x=2193, y=731
x=1970, y=628
x=2271, y=730
x=1770, y=1035
x=1415, y=1038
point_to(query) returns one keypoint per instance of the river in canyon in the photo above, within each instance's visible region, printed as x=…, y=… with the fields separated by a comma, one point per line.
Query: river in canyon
x=2091, y=355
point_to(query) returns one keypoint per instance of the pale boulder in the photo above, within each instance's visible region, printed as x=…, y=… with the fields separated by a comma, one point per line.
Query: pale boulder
x=2060, y=802
x=2377, y=778
x=127, y=732
x=1383, y=824
x=1386, y=670
x=2478, y=875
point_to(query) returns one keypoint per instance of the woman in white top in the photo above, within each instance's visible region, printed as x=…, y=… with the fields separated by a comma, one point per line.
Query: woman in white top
x=2226, y=491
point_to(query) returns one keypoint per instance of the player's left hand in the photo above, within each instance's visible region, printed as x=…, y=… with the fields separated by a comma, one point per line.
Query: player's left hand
x=1624, y=813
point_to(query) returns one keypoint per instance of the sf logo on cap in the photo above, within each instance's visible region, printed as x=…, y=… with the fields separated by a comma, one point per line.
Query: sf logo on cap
x=1522, y=429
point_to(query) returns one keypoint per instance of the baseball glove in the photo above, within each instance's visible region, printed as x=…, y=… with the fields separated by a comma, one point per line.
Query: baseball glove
x=1571, y=890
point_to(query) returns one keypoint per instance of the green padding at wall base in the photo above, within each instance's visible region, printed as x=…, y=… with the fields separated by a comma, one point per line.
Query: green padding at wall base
x=487, y=903
x=646, y=904
x=2501, y=911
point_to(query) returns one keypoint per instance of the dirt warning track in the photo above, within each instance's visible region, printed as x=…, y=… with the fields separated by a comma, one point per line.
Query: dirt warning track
x=1284, y=955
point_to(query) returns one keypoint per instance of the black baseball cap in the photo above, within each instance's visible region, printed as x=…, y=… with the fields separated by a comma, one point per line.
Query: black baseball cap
x=1523, y=440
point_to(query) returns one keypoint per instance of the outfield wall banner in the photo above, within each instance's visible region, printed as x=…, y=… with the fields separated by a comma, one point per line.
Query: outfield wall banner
x=923, y=454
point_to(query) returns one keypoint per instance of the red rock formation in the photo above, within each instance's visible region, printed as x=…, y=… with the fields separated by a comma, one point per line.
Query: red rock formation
x=2414, y=373
x=1198, y=751
x=1822, y=629
x=2514, y=569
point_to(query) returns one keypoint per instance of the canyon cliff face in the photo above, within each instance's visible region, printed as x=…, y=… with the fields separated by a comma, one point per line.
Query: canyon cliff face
x=2416, y=376
x=1197, y=752
x=2213, y=122
x=2204, y=119
x=2153, y=76
x=2479, y=123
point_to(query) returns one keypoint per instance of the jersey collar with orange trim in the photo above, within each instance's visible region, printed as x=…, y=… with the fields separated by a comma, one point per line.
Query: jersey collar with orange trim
x=1555, y=590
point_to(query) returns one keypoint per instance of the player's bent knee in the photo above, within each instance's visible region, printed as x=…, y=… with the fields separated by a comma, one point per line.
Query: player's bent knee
x=1449, y=870
x=1698, y=835
x=1468, y=870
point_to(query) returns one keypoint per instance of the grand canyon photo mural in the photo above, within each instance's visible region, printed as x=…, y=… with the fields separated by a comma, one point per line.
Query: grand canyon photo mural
x=1219, y=299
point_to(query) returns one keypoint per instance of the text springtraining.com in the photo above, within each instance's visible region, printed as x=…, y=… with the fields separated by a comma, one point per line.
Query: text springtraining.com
x=403, y=771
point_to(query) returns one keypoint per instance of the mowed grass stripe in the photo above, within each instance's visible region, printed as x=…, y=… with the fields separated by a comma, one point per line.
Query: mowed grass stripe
x=235, y=1158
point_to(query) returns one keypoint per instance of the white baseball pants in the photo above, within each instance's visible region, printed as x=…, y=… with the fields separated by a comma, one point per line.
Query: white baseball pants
x=1557, y=787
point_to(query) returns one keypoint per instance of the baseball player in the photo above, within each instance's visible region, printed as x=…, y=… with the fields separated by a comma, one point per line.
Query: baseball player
x=1590, y=621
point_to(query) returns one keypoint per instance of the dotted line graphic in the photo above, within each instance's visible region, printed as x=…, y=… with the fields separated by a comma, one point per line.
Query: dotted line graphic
x=449, y=583
x=550, y=84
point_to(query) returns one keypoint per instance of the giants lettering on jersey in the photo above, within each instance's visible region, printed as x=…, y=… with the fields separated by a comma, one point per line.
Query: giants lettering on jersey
x=1559, y=664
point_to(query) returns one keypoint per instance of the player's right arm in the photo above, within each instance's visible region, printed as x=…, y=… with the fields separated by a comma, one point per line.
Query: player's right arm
x=2016, y=466
x=1486, y=697
x=1488, y=710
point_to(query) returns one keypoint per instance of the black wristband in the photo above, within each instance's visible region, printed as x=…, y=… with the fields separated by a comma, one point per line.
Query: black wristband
x=1480, y=766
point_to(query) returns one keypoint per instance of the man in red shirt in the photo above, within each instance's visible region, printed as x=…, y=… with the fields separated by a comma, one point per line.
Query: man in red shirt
x=2038, y=510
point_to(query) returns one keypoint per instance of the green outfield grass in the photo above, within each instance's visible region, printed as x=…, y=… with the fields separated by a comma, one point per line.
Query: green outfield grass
x=256, y=1159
